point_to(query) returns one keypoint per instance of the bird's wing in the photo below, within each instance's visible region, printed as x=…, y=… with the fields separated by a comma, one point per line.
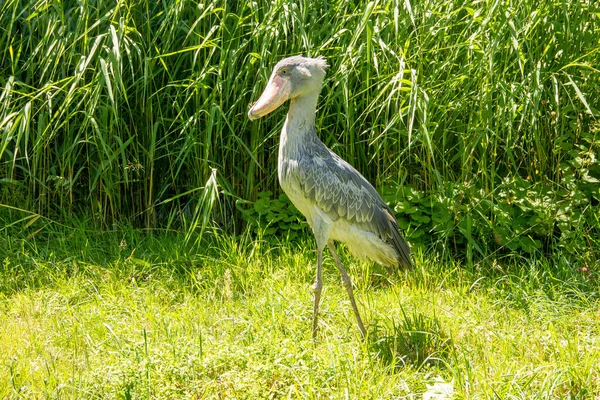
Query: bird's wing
x=342, y=192
x=336, y=187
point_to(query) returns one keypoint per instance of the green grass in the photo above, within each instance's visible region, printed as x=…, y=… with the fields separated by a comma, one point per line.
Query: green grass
x=128, y=314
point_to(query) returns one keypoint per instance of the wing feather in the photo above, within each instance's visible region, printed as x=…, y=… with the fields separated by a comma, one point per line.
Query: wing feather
x=342, y=192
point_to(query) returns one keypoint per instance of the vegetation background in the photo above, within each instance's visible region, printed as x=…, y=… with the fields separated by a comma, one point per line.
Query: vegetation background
x=477, y=121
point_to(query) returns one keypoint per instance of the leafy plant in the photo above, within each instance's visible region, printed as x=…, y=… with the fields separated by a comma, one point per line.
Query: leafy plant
x=274, y=218
x=519, y=216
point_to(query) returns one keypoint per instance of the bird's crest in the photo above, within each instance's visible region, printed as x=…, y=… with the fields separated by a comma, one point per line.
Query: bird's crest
x=321, y=62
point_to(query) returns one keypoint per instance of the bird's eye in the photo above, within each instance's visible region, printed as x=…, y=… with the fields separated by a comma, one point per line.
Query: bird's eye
x=284, y=71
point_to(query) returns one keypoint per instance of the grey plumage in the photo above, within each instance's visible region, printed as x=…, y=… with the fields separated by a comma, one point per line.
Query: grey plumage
x=342, y=192
x=337, y=201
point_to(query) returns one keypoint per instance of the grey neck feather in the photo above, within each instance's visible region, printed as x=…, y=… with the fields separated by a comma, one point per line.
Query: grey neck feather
x=298, y=136
x=299, y=125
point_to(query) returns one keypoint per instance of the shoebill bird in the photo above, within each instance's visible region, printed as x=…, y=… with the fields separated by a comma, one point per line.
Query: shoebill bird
x=337, y=201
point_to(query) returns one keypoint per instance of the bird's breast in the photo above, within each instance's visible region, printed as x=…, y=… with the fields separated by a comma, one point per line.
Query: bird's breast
x=294, y=190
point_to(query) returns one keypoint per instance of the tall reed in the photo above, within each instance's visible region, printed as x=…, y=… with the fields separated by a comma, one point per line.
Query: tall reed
x=128, y=109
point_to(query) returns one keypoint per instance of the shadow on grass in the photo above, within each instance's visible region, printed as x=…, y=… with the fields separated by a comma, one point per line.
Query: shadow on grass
x=53, y=255
x=416, y=339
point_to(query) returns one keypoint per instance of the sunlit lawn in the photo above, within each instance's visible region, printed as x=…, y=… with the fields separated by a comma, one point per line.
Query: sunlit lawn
x=135, y=316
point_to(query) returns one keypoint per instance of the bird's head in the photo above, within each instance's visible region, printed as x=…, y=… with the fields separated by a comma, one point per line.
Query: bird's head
x=292, y=77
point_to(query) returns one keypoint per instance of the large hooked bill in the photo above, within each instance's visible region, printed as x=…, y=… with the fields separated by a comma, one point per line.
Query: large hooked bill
x=275, y=94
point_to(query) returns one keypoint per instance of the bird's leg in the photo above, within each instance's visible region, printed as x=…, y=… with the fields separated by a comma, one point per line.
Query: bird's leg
x=317, y=286
x=347, y=282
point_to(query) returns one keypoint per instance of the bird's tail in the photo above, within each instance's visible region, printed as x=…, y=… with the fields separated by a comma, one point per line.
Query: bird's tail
x=398, y=242
x=401, y=246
